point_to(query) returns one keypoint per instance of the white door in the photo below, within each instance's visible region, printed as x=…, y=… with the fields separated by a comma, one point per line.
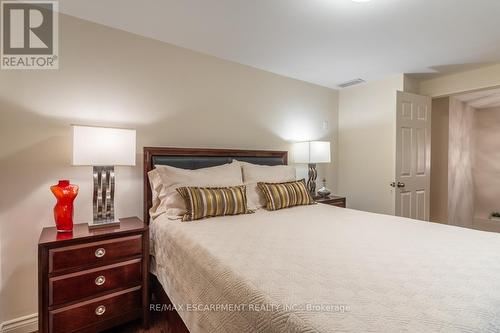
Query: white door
x=413, y=156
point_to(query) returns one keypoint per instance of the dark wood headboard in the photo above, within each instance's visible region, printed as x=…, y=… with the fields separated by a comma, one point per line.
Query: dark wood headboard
x=195, y=158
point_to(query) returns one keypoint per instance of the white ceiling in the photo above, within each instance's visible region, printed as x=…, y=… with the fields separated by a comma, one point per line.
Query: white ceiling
x=481, y=99
x=321, y=41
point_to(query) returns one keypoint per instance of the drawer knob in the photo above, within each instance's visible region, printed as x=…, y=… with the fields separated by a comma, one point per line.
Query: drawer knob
x=100, y=310
x=100, y=280
x=100, y=252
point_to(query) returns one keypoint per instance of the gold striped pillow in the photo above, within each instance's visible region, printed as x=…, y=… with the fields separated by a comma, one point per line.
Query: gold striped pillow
x=204, y=202
x=283, y=195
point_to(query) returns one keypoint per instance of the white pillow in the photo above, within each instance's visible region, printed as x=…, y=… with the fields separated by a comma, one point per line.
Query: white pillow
x=164, y=181
x=254, y=173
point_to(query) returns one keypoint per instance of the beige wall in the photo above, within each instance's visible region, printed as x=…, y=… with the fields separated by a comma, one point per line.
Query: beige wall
x=485, y=77
x=367, y=144
x=172, y=96
x=487, y=162
x=439, y=160
x=460, y=161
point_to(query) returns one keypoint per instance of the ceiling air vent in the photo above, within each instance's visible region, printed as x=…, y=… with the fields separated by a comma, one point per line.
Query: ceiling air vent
x=351, y=83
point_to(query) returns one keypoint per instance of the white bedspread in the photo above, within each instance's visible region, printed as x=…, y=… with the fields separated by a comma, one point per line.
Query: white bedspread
x=326, y=269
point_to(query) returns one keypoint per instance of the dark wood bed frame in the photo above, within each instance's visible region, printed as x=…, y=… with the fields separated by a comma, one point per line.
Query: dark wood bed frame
x=159, y=296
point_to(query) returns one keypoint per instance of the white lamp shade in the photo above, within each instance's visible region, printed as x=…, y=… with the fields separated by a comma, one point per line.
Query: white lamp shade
x=312, y=152
x=99, y=146
x=301, y=152
x=319, y=152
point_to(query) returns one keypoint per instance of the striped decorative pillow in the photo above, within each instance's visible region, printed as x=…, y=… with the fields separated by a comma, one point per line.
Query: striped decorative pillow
x=204, y=202
x=283, y=195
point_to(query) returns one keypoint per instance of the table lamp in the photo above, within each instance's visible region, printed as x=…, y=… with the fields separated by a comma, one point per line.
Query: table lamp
x=312, y=152
x=103, y=149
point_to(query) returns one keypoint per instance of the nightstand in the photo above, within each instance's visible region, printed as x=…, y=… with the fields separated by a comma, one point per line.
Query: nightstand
x=332, y=200
x=93, y=279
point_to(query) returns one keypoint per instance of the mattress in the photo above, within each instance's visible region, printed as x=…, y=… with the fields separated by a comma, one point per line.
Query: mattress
x=321, y=268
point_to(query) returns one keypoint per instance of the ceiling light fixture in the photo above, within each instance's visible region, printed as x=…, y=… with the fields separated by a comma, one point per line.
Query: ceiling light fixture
x=360, y=0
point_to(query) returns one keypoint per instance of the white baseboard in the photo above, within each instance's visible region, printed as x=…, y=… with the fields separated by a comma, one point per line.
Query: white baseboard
x=26, y=324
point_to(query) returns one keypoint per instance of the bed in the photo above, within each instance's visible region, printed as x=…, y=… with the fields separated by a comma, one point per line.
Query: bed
x=319, y=268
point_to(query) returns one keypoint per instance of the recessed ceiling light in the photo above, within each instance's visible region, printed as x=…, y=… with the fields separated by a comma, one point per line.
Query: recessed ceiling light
x=361, y=0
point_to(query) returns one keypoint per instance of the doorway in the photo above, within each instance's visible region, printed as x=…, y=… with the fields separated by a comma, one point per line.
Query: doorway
x=465, y=177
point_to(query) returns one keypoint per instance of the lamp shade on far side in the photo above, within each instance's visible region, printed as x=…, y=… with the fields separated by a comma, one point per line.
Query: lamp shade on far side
x=301, y=152
x=319, y=152
x=100, y=146
x=312, y=152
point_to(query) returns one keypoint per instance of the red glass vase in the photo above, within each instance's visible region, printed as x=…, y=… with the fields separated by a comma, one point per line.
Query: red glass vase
x=63, y=210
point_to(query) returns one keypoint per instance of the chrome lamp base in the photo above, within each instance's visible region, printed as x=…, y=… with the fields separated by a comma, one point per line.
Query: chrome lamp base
x=103, y=224
x=103, y=198
x=311, y=181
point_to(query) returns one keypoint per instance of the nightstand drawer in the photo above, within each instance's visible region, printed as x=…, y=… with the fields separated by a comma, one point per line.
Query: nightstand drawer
x=87, y=314
x=89, y=254
x=75, y=286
